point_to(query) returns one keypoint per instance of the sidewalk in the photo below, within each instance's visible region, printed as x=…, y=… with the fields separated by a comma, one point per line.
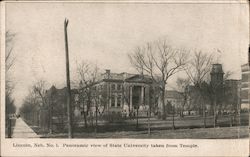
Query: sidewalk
x=22, y=130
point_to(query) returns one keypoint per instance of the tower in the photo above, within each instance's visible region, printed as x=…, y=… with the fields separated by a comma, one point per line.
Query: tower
x=217, y=74
x=217, y=86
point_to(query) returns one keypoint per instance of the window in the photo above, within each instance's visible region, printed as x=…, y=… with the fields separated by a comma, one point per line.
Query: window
x=112, y=101
x=244, y=78
x=119, y=87
x=113, y=86
x=119, y=99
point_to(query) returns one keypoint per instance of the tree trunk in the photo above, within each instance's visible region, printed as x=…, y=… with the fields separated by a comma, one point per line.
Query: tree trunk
x=230, y=120
x=215, y=116
x=173, y=127
x=239, y=121
x=205, y=120
x=204, y=115
x=85, y=120
x=50, y=119
x=96, y=120
x=163, y=104
x=149, y=115
x=137, y=121
x=92, y=120
x=9, y=127
x=182, y=109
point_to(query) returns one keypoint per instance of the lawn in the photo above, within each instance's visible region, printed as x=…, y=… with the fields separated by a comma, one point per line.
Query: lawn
x=198, y=133
x=188, y=127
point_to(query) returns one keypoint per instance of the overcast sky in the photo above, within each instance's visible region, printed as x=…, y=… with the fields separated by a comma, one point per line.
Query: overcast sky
x=104, y=33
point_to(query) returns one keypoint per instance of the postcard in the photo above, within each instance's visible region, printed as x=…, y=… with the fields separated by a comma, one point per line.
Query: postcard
x=125, y=78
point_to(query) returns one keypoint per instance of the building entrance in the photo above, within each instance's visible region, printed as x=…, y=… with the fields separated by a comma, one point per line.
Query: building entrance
x=136, y=96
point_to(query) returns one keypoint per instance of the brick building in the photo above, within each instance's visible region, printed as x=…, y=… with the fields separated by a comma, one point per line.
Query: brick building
x=245, y=86
x=233, y=94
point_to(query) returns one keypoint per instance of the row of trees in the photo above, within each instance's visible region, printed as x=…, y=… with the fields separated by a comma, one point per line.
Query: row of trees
x=10, y=107
x=46, y=104
x=162, y=61
x=35, y=105
x=52, y=103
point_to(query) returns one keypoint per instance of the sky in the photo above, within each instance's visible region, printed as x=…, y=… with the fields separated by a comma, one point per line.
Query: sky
x=103, y=33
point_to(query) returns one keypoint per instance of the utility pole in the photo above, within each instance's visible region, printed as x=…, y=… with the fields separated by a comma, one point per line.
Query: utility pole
x=70, y=131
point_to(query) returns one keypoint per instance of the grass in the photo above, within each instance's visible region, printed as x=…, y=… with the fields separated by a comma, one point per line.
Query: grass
x=187, y=127
x=198, y=133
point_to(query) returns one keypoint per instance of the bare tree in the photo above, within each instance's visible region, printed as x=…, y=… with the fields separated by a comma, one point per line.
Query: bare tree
x=160, y=61
x=9, y=56
x=216, y=93
x=9, y=85
x=182, y=85
x=198, y=70
x=30, y=106
x=9, y=62
x=45, y=98
x=88, y=75
x=39, y=88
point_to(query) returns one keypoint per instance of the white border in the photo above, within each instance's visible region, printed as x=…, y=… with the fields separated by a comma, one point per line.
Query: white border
x=207, y=147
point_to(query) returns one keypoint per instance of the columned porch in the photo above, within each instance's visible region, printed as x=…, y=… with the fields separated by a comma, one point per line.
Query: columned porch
x=138, y=98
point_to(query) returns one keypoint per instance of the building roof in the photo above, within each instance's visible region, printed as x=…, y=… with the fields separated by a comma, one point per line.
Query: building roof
x=124, y=76
x=232, y=81
x=245, y=67
x=61, y=91
x=139, y=78
x=217, y=68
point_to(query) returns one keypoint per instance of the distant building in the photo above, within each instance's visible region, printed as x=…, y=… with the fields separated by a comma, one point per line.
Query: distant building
x=175, y=98
x=232, y=89
x=226, y=93
x=216, y=84
x=245, y=86
x=217, y=75
x=57, y=101
x=194, y=99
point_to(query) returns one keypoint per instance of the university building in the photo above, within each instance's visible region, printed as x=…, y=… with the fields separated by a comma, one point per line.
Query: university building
x=125, y=93
x=233, y=93
x=121, y=93
x=227, y=91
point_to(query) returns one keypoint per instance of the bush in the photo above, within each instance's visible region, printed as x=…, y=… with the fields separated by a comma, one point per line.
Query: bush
x=113, y=117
